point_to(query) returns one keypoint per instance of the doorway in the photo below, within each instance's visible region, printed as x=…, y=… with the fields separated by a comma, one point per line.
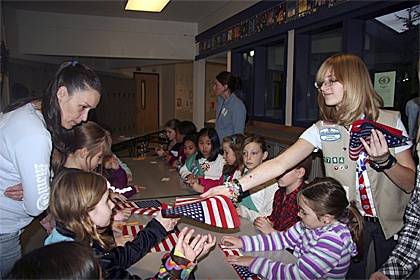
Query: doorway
x=147, y=93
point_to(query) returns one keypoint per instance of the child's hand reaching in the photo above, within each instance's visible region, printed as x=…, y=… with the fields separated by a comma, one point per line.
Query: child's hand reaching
x=168, y=223
x=211, y=241
x=231, y=242
x=190, y=248
x=116, y=196
x=264, y=225
x=239, y=260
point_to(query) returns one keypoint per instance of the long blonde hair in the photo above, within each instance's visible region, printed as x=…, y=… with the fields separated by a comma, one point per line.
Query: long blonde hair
x=359, y=94
x=74, y=194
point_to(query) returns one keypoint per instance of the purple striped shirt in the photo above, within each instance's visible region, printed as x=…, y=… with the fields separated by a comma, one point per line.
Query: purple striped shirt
x=322, y=252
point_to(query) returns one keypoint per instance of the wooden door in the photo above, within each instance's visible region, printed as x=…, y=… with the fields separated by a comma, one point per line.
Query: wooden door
x=147, y=91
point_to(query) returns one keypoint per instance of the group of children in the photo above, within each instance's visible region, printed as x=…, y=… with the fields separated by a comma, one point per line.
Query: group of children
x=273, y=208
x=314, y=220
x=84, y=191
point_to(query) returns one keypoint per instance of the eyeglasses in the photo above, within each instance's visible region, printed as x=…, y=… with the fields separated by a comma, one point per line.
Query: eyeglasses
x=329, y=83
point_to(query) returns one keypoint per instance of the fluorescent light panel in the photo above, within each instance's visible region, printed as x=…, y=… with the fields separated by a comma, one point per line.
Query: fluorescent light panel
x=146, y=5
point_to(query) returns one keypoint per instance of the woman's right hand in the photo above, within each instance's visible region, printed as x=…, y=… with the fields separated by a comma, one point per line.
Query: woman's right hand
x=168, y=223
x=216, y=191
x=231, y=242
x=15, y=192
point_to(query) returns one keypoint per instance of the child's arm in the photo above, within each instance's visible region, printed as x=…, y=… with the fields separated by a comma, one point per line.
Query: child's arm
x=274, y=241
x=209, y=183
x=183, y=256
x=120, y=258
x=125, y=167
x=120, y=178
x=184, y=172
x=319, y=261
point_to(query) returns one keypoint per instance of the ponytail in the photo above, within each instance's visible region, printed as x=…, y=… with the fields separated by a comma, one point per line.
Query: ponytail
x=354, y=221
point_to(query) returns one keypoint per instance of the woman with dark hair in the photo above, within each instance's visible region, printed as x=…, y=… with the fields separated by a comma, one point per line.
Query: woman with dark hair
x=29, y=129
x=230, y=110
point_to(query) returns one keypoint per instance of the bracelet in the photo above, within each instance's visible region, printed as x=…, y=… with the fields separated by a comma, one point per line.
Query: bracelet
x=382, y=161
x=380, y=168
x=233, y=193
x=238, y=184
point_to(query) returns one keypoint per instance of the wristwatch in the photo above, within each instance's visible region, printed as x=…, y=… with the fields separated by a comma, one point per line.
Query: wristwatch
x=380, y=168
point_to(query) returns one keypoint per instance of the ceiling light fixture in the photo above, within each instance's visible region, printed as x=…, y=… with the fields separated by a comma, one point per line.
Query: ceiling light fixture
x=146, y=5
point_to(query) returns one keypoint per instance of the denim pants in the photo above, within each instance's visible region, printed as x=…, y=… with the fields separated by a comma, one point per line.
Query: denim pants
x=383, y=248
x=9, y=251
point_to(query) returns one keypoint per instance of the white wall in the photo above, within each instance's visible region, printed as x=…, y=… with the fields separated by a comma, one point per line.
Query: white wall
x=40, y=33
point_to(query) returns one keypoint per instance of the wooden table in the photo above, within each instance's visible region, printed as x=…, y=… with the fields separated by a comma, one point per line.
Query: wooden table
x=129, y=140
x=213, y=265
x=149, y=172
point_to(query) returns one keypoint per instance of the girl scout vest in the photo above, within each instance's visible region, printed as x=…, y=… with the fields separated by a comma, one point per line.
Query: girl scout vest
x=390, y=201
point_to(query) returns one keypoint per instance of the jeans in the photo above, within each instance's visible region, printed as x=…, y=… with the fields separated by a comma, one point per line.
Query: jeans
x=383, y=248
x=9, y=251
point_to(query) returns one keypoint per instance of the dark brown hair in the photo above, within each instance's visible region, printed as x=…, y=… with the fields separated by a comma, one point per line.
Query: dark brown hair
x=327, y=196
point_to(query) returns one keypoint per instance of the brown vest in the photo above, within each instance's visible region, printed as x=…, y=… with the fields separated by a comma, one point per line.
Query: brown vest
x=390, y=201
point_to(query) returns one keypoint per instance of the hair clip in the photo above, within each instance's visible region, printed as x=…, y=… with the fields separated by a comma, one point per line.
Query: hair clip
x=74, y=63
x=233, y=138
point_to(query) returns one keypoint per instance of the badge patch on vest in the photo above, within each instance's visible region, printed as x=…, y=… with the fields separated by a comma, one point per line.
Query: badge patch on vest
x=329, y=134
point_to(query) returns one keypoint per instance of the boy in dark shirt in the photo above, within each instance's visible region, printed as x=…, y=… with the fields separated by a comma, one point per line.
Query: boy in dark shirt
x=285, y=208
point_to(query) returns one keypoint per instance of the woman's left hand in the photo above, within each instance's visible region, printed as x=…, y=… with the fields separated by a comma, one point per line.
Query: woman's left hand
x=378, y=147
x=15, y=192
x=239, y=260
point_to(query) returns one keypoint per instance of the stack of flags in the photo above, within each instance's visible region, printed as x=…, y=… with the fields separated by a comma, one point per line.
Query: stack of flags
x=362, y=129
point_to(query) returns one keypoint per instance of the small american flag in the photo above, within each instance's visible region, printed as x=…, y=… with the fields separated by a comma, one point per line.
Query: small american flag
x=215, y=211
x=146, y=207
x=165, y=246
x=362, y=129
x=242, y=271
